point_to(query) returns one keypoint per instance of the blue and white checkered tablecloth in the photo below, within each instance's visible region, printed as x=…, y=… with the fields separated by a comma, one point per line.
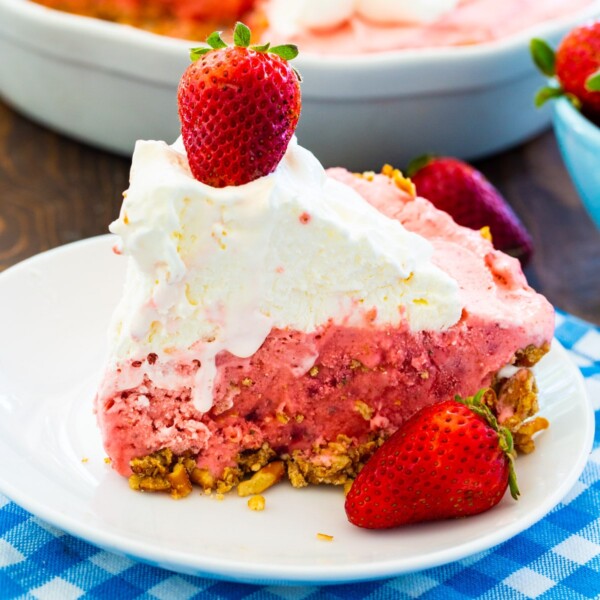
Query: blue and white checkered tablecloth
x=557, y=558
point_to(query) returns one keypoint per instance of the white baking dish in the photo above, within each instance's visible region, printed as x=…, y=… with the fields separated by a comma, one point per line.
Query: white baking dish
x=110, y=84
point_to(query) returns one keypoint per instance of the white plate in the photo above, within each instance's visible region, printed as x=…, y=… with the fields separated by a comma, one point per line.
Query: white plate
x=54, y=310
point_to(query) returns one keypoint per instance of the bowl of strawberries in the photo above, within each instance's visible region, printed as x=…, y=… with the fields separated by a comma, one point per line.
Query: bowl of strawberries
x=574, y=86
x=579, y=142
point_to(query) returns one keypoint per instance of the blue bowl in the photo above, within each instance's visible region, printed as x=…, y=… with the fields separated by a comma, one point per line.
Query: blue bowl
x=579, y=142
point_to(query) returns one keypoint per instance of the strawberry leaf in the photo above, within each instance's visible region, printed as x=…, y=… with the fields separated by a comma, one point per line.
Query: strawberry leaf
x=261, y=48
x=286, y=51
x=512, y=479
x=479, y=406
x=241, y=35
x=592, y=83
x=196, y=53
x=214, y=40
x=416, y=164
x=547, y=93
x=543, y=57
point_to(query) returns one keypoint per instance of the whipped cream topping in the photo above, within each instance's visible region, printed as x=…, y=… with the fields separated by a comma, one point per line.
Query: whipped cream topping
x=216, y=269
x=290, y=17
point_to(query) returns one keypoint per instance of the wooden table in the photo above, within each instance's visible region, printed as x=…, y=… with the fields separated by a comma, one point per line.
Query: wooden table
x=54, y=190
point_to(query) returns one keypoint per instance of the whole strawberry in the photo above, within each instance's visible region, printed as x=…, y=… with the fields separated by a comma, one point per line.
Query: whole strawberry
x=472, y=201
x=239, y=106
x=449, y=460
x=576, y=67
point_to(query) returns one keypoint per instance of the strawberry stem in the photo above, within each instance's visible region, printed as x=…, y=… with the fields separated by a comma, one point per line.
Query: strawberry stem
x=547, y=93
x=479, y=406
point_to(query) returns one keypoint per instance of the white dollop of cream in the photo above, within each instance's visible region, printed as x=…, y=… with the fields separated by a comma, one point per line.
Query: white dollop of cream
x=216, y=269
x=404, y=11
x=290, y=17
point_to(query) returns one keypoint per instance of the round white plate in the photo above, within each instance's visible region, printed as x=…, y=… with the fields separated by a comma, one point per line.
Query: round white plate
x=54, y=311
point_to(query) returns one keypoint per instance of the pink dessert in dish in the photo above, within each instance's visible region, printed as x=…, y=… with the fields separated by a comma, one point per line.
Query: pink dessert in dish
x=302, y=318
x=343, y=27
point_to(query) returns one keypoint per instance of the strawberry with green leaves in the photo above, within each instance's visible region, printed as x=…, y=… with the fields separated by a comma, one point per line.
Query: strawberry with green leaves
x=462, y=191
x=239, y=106
x=575, y=67
x=449, y=460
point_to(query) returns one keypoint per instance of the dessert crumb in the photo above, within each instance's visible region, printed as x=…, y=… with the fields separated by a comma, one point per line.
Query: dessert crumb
x=403, y=183
x=324, y=537
x=485, y=233
x=84, y=459
x=256, y=503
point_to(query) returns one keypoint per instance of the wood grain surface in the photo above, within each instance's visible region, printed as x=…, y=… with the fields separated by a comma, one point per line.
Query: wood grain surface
x=54, y=190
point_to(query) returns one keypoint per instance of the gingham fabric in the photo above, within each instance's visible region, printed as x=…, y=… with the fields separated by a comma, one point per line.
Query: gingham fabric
x=558, y=558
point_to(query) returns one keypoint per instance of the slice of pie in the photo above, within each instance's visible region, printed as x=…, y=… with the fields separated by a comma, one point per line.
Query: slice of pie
x=299, y=318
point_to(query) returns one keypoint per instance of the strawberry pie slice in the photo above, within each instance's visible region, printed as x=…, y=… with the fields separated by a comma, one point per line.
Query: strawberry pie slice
x=301, y=317
x=292, y=322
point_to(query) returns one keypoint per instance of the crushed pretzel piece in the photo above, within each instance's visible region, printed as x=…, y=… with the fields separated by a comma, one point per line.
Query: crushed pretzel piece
x=523, y=437
x=403, y=183
x=517, y=399
x=181, y=486
x=365, y=411
x=263, y=479
x=203, y=478
x=143, y=483
x=529, y=356
x=486, y=233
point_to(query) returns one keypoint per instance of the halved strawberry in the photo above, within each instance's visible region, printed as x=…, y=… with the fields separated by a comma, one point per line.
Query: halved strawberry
x=451, y=459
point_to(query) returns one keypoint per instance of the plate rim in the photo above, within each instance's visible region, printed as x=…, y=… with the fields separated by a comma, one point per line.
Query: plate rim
x=314, y=574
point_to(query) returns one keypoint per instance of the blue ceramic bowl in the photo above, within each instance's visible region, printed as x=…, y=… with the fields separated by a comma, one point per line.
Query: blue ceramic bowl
x=579, y=142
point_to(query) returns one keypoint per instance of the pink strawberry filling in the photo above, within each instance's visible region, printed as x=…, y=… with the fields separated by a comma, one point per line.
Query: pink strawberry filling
x=362, y=381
